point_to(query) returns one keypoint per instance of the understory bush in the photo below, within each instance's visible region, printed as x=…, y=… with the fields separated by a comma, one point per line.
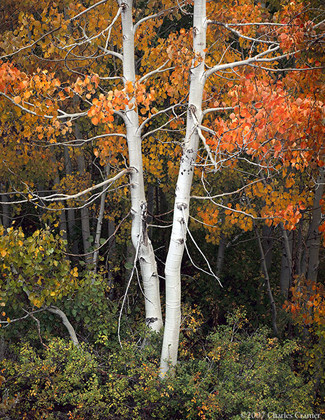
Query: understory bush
x=240, y=373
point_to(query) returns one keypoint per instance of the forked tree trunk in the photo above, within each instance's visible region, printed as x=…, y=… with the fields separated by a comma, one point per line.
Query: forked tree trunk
x=182, y=193
x=139, y=233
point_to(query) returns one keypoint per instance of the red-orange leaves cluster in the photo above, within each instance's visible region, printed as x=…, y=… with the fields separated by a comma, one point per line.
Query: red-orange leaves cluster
x=269, y=124
x=38, y=95
x=297, y=32
x=9, y=76
x=308, y=302
x=131, y=97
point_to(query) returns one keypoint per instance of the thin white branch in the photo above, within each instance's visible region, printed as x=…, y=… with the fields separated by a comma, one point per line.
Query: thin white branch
x=158, y=70
x=162, y=126
x=87, y=10
x=66, y=323
x=163, y=111
x=157, y=15
x=30, y=45
x=23, y=108
x=113, y=53
x=226, y=108
x=62, y=197
x=126, y=291
x=238, y=211
x=197, y=197
x=88, y=40
x=239, y=34
x=49, y=117
x=287, y=68
x=80, y=142
x=255, y=59
x=210, y=272
x=207, y=148
x=249, y=24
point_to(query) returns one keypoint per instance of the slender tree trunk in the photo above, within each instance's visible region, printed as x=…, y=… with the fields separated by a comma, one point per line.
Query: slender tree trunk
x=286, y=262
x=84, y=212
x=5, y=208
x=71, y=211
x=62, y=221
x=139, y=234
x=182, y=192
x=267, y=242
x=313, y=240
x=98, y=234
x=268, y=284
x=111, y=245
x=221, y=254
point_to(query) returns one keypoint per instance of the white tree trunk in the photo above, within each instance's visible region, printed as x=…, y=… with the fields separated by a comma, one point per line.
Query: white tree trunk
x=182, y=192
x=139, y=233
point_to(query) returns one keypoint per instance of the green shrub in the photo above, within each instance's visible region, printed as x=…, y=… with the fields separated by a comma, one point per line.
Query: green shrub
x=62, y=379
x=241, y=372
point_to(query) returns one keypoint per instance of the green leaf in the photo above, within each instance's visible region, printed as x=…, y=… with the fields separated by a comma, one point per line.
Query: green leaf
x=128, y=266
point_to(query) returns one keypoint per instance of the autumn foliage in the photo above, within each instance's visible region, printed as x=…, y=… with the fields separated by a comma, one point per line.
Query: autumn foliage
x=95, y=123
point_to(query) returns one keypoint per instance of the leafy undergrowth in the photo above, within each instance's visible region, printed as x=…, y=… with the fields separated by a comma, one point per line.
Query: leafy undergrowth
x=239, y=372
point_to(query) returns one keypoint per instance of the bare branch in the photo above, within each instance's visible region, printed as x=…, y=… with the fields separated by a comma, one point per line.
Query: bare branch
x=197, y=197
x=226, y=108
x=158, y=70
x=239, y=34
x=257, y=58
x=66, y=323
